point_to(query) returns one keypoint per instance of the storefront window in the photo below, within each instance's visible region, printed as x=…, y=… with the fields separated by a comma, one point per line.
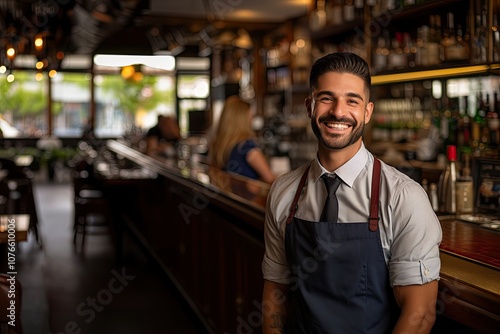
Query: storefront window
x=128, y=105
x=70, y=103
x=23, y=106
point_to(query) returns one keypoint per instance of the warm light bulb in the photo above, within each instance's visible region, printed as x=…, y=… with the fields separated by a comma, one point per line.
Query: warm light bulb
x=138, y=76
x=127, y=72
x=300, y=43
x=52, y=73
x=39, y=65
x=39, y=76
x=3, y=69
x=11, y=53
x=38, y=43
x=10, y=78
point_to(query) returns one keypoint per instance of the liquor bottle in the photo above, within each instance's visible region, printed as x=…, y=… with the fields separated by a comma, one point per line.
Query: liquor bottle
x=481, y=33
x=453, y=120
x=444, y=127
x=485, y=133
x=421, y=58
x=348, y=10
x=493, y=123
x=380, y=53
x=478, y=123
x=439, y=33
x=396, y=58
x=448, y=183
x=433, y=42
x=496, y=38
x=433, y=197
x=464, y=188
x=409, y=49
x=455, y=48
x=359, y=9
x=448, y=38
x=318, y=17
x=463, y=130
x=334, y=12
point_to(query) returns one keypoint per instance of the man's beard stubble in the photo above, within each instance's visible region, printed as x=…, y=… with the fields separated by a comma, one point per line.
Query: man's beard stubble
x=335, y=142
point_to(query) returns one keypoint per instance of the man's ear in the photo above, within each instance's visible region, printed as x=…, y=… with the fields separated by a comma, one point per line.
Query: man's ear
x=368, y=112
x=308, y=103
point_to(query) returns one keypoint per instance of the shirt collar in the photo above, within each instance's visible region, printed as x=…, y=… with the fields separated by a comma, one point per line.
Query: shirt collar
x=348, y=172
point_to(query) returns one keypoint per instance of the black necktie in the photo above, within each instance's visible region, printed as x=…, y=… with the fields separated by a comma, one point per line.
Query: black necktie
x=331, y=209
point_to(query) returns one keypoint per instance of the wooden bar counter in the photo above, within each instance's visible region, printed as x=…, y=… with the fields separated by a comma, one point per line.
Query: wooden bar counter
x=205, y=229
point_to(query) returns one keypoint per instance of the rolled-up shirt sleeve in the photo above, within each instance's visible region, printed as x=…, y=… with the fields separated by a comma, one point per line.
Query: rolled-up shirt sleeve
x=417, y=234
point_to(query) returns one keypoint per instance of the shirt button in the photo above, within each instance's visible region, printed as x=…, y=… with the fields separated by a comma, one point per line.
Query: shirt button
x=426, y=272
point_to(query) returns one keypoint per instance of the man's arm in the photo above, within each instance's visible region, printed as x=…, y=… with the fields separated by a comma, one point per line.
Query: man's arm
x=274, y=308
x=151, y=145
x=418, y=308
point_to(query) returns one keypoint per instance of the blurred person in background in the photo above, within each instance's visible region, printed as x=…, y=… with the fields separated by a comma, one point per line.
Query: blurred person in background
x=233, y=147
x=163, y=137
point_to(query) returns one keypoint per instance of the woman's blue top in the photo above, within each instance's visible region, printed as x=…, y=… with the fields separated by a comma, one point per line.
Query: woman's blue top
x=237, y=162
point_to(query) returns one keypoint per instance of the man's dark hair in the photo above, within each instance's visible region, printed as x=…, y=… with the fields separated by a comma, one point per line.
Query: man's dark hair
x=340, y=62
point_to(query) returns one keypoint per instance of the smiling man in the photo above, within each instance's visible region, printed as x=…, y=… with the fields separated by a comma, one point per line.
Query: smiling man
x=371, y=266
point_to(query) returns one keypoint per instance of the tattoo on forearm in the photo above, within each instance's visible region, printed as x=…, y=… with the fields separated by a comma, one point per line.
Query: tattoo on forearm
x=279, y=322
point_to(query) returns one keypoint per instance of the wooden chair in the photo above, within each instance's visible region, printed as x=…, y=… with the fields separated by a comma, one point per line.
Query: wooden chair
x=6, y=296
x=22, y=201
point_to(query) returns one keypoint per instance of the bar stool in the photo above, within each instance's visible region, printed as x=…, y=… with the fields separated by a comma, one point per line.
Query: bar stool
x=92, y=214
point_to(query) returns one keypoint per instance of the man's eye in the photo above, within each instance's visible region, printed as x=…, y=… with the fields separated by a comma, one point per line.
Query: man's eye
x=326, y=100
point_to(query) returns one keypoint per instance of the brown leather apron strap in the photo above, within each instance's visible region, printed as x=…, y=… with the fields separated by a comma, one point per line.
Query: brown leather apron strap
x=374, y=218
x=294, y=206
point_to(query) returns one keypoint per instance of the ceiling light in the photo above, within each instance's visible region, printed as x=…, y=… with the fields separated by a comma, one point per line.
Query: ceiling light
x=161, y=62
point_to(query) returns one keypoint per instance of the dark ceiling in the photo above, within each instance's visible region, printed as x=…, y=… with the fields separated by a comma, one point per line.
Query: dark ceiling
x=73, y=26
x=130, y=26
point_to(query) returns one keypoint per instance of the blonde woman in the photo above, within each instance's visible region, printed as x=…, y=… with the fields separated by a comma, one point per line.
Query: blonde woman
x=233, y=147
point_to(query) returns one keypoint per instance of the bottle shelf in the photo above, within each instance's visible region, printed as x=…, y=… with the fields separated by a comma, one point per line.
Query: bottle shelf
x=449, y=72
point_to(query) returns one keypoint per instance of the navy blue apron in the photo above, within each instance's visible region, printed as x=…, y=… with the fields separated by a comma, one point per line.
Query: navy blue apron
x=340, y=281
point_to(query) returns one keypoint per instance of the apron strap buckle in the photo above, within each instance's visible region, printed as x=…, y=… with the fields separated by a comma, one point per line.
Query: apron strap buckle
x=373, y=223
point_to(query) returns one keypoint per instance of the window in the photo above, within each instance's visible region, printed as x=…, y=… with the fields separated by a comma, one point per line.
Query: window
x=24, y=104
x=70, y=103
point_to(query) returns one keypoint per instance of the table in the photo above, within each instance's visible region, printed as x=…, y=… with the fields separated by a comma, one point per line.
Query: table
x=21, y=221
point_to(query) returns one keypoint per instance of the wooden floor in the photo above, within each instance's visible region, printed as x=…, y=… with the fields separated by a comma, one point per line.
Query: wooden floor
x=64, y=291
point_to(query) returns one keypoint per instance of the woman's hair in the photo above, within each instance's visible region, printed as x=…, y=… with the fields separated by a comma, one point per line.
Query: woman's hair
x=234, y=127
x=340, y=62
